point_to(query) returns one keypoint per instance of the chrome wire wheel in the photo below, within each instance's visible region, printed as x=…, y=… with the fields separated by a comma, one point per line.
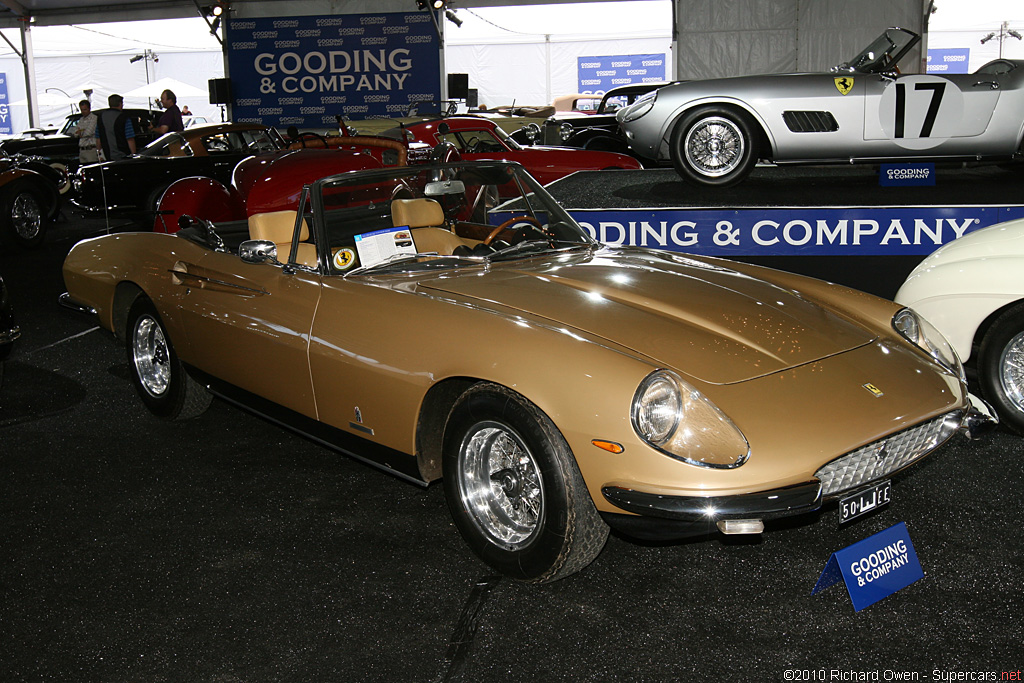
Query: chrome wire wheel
x=1011, y=371
x=500, y=485
x=26, y=216
x=151, y=357
x=714, y=146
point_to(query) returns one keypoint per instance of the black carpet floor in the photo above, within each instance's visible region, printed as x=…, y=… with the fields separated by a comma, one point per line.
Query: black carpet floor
x=224, y=549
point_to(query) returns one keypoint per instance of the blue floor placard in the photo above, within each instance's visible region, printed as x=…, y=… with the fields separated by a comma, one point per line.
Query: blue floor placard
x=873, y=568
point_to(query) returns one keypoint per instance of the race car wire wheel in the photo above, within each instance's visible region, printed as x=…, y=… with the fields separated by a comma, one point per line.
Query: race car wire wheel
x=714, y=147
x=151, y=357
x=500, y=484
x=26, y=215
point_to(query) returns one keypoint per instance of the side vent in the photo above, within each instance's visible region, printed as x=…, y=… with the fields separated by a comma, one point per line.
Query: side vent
x=810, y=121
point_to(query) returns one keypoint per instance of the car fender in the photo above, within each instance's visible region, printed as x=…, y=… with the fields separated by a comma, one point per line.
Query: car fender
x=958, y=286
x=12, y=178
x=665, y=133
x=957, y=297
x=199, y=197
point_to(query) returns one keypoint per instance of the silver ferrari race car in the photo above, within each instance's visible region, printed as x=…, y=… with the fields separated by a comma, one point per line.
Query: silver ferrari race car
x=715, y=131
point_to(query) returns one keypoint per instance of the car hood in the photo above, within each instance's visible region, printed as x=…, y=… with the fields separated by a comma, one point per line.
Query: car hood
x=712, y=323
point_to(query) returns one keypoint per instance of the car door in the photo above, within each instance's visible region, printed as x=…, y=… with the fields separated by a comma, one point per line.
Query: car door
x=922, y=112
x=249, y=324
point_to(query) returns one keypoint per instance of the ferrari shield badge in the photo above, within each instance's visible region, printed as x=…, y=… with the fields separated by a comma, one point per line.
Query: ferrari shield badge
x=844, y=84
x=344, y=258
x=875, y=391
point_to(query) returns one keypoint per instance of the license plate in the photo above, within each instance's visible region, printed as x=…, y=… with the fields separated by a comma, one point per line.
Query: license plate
x=865, y=501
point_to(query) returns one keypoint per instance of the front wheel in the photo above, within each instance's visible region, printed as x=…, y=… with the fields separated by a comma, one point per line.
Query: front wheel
x=514, y=490
x=159, y=377
x=714, y=146
x=26, y=215
x=1001, y=368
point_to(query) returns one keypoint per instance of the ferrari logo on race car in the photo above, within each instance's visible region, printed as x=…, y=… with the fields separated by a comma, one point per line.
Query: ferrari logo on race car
x=875, y=391
x=844, y=84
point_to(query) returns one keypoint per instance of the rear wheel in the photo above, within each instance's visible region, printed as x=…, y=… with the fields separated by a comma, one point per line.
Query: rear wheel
x=714, y=146
x=514, y=489
x=159, y=377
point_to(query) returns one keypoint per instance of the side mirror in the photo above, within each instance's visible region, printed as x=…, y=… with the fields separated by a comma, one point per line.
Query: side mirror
x=257, y=251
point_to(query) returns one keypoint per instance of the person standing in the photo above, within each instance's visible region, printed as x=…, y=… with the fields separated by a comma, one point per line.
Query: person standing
x=115, y=134
x=170, y=120
x=85, y=131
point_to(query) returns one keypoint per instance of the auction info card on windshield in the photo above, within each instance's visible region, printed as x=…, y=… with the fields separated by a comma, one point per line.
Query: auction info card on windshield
x=377, y=247
x=873, y=568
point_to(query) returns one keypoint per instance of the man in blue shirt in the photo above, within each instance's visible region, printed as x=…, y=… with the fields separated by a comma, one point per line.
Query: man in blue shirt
x=115, y=134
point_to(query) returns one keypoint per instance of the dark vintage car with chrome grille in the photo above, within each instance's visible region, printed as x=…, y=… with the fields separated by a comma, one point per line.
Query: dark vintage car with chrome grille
x=862, y=111
x=133, y=186
x=597, y=130
x=559, y=387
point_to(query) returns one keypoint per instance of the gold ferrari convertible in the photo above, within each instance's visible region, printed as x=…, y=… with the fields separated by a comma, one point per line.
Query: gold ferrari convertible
x=452, y=321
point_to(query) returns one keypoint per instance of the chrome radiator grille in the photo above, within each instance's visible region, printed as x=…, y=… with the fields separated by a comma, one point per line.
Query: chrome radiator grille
x=883, y=457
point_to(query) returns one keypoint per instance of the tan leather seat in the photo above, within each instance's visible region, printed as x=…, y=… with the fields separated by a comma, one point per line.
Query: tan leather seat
x=278, y=227
x=425, y=218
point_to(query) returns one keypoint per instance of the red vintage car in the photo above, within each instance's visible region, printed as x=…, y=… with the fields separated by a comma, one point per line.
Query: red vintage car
x=273, y=182
x=479, y=139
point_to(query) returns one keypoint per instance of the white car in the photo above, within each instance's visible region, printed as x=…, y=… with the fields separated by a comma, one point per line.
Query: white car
x=972, y=290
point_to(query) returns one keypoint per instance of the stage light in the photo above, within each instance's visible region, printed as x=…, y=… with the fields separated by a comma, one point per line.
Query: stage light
x=452, y=18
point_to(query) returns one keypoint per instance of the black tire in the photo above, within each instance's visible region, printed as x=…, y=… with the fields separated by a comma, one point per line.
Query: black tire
x=714, y=146
x=1001, y=367
x=538, y=524
x=164, y=386
x=25, y=215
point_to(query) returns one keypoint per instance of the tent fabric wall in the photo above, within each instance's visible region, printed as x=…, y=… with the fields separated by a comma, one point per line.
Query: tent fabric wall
x=719, y=38
x=536, y=73
x=108, y=74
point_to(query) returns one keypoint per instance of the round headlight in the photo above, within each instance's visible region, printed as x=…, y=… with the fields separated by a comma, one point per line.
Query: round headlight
x=656, y=409
x=923, y=334
x=679, y=421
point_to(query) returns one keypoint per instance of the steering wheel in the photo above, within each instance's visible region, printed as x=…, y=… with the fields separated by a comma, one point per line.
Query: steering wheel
x=532, y=224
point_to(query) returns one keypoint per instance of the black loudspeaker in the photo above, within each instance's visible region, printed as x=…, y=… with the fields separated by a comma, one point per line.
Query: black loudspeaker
x=220, y=90
x=458, y=86
x=472, y=98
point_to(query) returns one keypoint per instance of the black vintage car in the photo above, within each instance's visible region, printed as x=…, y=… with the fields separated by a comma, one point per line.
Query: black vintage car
x=132, y=187
x=59, y=149
x=29, y=198
x=8, y=330
x=597, y=131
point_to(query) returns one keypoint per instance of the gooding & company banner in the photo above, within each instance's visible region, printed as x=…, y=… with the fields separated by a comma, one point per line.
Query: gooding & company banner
x=306, y=71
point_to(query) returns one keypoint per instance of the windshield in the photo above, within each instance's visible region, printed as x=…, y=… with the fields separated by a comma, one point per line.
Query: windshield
x=883, y=53
x=436, y=216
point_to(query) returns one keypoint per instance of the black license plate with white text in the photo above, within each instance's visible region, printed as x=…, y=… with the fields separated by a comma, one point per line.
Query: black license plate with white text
x=864, y=501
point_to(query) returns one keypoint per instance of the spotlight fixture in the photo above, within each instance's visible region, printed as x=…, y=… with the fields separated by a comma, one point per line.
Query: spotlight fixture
x=137, y=58
x=450, y=14
x=431, y=4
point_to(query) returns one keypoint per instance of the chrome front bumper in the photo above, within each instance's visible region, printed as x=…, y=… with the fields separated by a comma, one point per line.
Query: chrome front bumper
x=664, y=516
